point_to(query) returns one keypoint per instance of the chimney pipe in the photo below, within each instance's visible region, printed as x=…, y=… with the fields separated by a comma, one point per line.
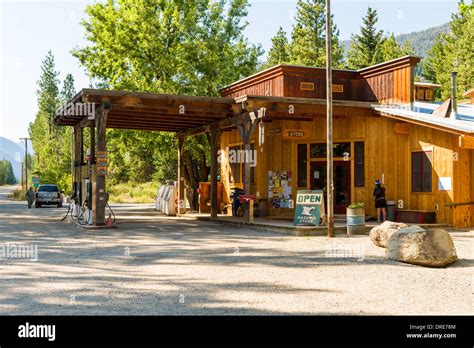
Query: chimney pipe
x=454, y=102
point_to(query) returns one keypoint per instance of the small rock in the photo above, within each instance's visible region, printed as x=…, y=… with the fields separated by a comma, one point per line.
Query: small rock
x=415, y=245
x=380, y=234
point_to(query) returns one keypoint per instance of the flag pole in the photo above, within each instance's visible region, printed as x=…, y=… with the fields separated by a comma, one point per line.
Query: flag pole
x=329, y=149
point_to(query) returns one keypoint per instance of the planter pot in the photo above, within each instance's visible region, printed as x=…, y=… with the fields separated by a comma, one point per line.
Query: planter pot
x=355, y=221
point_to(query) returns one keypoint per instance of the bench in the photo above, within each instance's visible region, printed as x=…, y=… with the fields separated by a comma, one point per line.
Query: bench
x=415, y=216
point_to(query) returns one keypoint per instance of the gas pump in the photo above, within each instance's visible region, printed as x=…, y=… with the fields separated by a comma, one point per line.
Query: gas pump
x=88, y=202
x=75, y=198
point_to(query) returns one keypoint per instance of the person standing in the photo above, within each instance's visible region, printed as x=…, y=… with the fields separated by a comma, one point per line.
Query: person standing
x=380, y=200
x=30, y=196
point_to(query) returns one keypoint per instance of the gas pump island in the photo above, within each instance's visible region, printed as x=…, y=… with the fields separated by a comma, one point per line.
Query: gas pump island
x=82, y=202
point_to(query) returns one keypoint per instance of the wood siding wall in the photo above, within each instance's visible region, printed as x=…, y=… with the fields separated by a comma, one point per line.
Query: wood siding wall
x=385, y=153
x=390, y=82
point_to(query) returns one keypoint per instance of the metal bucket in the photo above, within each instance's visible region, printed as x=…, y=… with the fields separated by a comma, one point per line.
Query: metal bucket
x=355, y=221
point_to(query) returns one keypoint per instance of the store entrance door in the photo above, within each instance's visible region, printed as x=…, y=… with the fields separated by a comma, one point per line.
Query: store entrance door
x=342, y=182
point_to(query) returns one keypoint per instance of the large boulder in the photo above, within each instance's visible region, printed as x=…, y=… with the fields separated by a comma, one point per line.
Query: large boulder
x=380, y=234
x=432, y=248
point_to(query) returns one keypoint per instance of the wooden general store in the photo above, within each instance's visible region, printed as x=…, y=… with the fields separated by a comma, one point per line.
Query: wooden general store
x=421, y=151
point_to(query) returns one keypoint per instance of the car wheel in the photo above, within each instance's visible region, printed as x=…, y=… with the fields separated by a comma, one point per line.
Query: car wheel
x=60, y=205
x=37, y=205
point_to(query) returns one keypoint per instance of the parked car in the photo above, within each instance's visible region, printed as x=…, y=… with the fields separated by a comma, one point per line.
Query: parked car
x=48, y=194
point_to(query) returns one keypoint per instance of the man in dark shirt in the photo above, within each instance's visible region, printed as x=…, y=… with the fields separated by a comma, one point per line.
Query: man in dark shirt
x=380, y=200
x=30, y=196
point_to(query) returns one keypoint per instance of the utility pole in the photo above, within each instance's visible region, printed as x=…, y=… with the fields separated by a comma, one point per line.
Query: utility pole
x=329, y=148
x=26, y=162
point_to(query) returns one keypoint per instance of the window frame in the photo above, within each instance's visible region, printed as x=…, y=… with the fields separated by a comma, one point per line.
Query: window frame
x=240, y=146
x=428, y=155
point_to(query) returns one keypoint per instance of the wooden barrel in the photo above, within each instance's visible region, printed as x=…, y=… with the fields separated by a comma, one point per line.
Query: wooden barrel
x=355, y=221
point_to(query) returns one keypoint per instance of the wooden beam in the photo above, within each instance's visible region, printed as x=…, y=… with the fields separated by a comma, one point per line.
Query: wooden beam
x=181, y=192
x=100, y=194
x=77, y=161
x=93, y=174
x=246, y=130
x=227, y=123
x=213, y=142
x=147, y=128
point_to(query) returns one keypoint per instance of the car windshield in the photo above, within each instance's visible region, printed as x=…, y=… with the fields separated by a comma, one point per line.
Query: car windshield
x=48, y=188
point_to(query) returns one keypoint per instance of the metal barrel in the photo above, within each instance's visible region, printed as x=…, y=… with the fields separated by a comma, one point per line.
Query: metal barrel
x=355, y=221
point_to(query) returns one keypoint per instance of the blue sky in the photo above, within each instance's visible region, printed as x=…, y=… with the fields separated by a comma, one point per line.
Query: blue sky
x=28, y=29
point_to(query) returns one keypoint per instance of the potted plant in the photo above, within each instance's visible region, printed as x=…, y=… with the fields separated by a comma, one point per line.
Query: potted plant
x=356, y=218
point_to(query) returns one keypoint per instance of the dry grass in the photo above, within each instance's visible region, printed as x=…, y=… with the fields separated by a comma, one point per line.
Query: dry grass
x=133, y=193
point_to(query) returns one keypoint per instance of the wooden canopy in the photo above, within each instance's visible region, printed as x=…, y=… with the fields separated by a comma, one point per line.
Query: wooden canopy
x=149, y=111
x=192, y=115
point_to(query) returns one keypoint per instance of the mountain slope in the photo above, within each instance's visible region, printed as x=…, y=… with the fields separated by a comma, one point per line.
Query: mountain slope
x=14, y=153
x=421, y=41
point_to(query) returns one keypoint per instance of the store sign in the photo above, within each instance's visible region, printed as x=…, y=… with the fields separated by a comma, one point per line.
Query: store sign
x=275, y=130
x=296, y=134
x=309, y=207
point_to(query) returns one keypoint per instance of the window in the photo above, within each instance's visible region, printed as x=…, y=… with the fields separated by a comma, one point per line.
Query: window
x=421, y=171
x=429, y=94
x=236, y=163
x=254, y=159
x=339, y=150
x=234, y=166
x=421, y=94
x=359, y=164
x=302, y=168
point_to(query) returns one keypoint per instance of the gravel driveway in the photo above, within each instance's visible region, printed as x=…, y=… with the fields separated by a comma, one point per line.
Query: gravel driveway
x=180, y=267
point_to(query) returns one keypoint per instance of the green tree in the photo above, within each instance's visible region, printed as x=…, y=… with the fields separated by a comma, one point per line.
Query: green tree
x=453, y=51
x=6, y=173
x=51, y=143
x=68, y=91
x=42, y=130
x=390, y=49
x=363, y=45
x=181, y=47
x=279, y=53
x=309, y=36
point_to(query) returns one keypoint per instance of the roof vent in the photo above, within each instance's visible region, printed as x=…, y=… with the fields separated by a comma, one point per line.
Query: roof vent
x=454, y=104
x=443, y=110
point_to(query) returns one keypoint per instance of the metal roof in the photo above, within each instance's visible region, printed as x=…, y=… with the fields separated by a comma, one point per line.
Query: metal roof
x=421, y=114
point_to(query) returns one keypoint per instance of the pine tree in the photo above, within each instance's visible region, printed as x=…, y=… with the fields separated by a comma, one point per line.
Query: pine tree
x=390, y=49
x=363, y=45
x=279, y=52
x=309, y=36
x=6, y=173
x=453, y=51
x=45, y=136
x=68, y=91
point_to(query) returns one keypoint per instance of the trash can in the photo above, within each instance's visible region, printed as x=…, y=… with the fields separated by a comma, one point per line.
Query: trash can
x=355, y=221
x=391, y=210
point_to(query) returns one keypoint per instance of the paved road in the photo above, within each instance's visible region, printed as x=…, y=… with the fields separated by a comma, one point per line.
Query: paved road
x=181, y=267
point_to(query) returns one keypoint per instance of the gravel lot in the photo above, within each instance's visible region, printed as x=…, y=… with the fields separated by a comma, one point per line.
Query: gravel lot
x=180, y=267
